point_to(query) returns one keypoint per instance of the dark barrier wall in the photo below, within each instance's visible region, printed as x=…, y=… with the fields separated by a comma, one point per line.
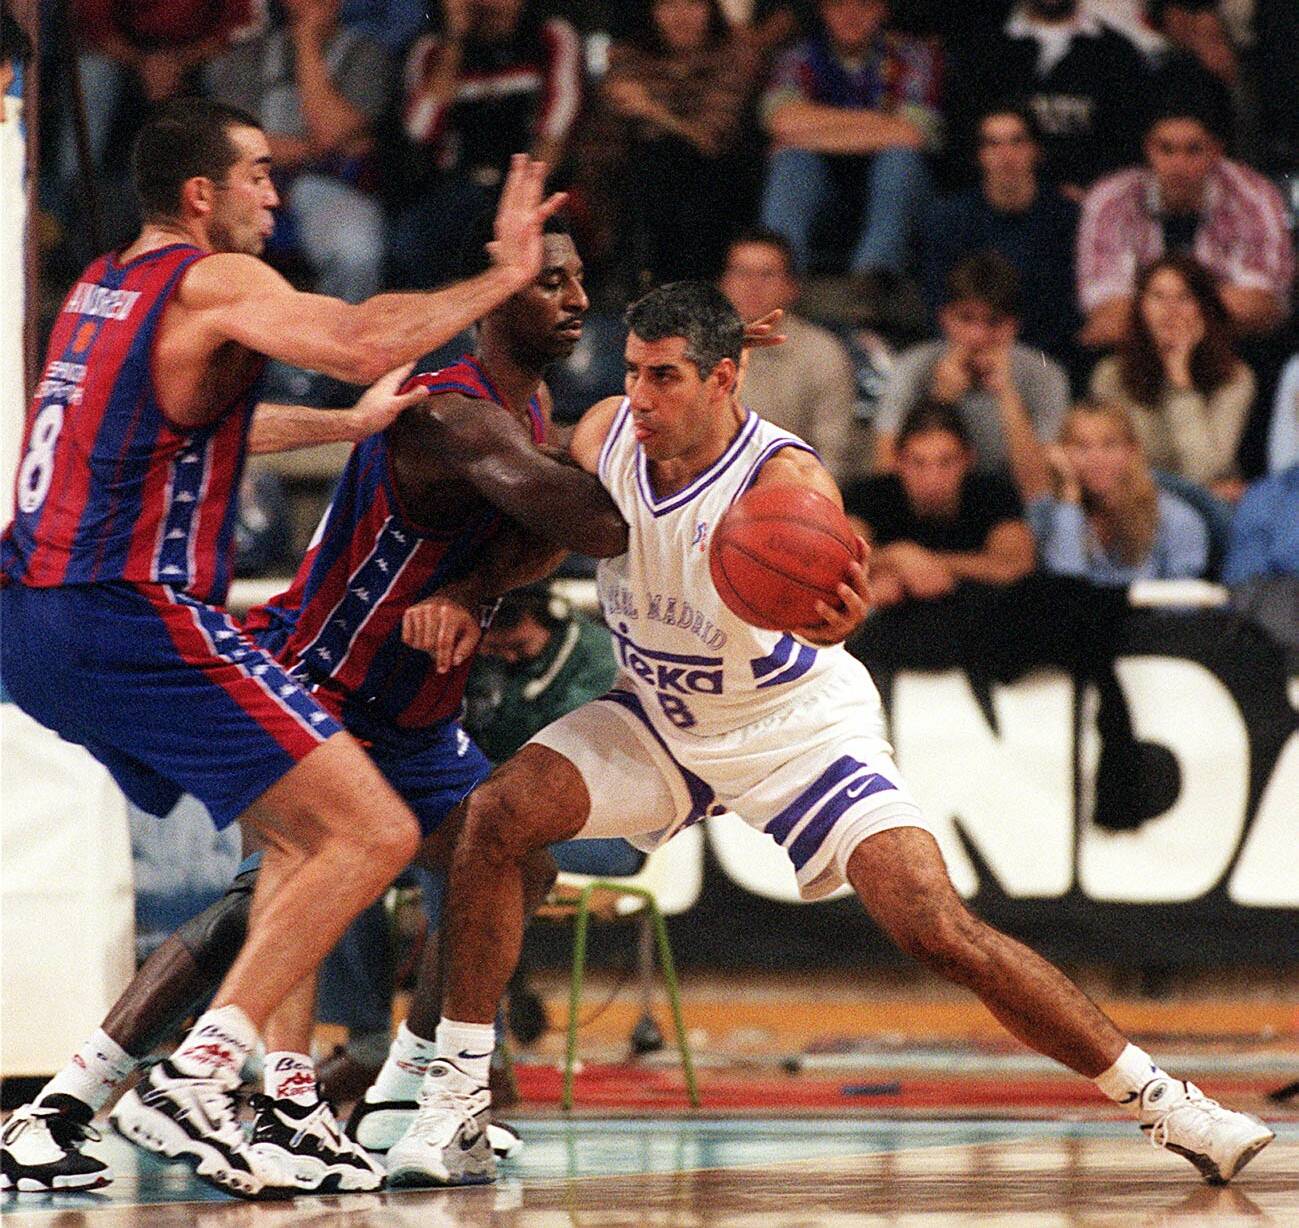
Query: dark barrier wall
x=1197, y=863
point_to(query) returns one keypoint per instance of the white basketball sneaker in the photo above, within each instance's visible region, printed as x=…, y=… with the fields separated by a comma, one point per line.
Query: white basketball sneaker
x=308, y=1142
x=447, y=1142
x=196, y=1119
x=378, y=1124
x=1218, y=1141
x=40, y=1151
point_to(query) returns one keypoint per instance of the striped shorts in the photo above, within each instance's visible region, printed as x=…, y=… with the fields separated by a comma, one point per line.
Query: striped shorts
x=167, y=692
x=818, y=778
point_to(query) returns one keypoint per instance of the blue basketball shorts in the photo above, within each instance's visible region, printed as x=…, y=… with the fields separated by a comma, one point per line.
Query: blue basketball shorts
x=167, y=692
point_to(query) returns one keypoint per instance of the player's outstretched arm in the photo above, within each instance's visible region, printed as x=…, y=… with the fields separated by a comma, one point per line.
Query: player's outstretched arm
x=792, y=466
x=235, y=297
x=281, y=428
x=492, y=450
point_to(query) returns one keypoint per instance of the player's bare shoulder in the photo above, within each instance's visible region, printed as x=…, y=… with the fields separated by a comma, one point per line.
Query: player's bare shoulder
x=798, y=467
x=591, y=432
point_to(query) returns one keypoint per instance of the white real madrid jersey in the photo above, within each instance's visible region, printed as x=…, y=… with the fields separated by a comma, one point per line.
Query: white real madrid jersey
x=697, y=667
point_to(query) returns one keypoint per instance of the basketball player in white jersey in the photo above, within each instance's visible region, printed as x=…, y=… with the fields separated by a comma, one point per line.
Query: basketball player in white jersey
x=710, y=713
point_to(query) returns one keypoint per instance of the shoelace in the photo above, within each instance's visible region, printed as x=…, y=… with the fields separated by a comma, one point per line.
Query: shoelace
x=322, y=1112
x=221, y=1107
x=64, y=1130
x=1204, y=1112
x=430, y=1120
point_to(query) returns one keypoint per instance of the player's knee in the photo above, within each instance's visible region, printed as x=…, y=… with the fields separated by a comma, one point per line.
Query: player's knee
x=497, y=827
x=394, y=839
x=942, y=935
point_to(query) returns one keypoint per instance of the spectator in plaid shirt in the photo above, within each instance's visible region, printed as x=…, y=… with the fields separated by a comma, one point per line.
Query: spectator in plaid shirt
x=1187, y=197
x=850, y=112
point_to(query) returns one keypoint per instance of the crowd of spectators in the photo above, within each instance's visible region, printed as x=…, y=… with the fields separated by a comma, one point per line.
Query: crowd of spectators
x=1090, y=203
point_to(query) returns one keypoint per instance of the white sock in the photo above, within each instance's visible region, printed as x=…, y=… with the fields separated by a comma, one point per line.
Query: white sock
x=94, y=1071
x=290, y=1076
x=469, y=1045
x=1123, y=1081
x=403, y=1068
x=217, y=1045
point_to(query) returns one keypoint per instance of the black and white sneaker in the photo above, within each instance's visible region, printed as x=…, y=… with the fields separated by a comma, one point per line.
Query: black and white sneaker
x=40, y=1151
x=378, y=1124
x=307, y=1141
x=196, y=1119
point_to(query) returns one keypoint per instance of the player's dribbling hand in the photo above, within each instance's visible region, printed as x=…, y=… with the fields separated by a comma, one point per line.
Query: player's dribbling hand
x=444, y=627
x=381, y=403
x=839, y=622
x=520, y=216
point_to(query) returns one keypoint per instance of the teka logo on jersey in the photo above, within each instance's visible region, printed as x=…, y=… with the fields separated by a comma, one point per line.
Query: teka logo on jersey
x=669, y=671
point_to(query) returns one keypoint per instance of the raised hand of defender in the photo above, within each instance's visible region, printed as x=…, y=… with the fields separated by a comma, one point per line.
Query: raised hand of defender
x=445, y=627
x=839, y=622
x=520, y=216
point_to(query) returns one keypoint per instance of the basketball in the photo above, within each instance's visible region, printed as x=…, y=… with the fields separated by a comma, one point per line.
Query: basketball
x=777, y=552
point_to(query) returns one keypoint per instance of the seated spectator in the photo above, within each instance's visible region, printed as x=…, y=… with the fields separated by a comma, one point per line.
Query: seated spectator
x=1283, y=435
x=667, y=132
x=1010, y=397
x=1014, y=214
x=1186, y=390
x=1077, y=75
x=1262, y=564
x=497, y=80
x=1186, y=197
x=1265, y=531
x=807, y=385
x=147, y=52
x=1107, y=520
x=318, y=89
x=849, y=112
x=935, y=521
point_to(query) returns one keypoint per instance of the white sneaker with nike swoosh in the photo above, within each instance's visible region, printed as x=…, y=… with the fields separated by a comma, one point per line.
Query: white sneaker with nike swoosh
x=1218, y=1141
x=447, y=1143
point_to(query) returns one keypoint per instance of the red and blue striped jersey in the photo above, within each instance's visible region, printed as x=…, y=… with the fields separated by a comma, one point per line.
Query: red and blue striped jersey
x=338, y=627
x=108, y=488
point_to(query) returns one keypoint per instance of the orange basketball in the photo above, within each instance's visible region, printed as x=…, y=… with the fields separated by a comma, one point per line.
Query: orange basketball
x=777, y=551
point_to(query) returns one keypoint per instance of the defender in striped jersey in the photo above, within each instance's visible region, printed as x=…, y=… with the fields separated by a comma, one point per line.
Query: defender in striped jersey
x=711, y=714
x=379, y=627
x=118, y=558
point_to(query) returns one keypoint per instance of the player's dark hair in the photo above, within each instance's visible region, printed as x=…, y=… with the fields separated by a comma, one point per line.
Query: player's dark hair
x=766, y=237
x=473, y=256
x=929, y=415
x=537, y=601
x=181, y=140
x=985, y=277
x=695, y=310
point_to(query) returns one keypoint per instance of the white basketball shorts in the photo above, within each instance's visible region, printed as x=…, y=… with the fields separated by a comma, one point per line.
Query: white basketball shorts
x=818, y=778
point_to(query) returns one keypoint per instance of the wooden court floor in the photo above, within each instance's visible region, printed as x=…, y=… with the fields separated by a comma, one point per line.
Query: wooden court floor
x=736, y=1172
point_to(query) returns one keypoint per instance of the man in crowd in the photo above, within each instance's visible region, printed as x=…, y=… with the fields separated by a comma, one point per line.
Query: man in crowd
x=850, y=112
x=1012, y=212
x=808, y=385
x=1186, y=196
x=1011, y=398
x=935, y=521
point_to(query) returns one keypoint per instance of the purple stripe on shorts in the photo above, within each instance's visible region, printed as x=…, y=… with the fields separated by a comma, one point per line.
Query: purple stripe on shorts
x=785, y=821
x=813, y=835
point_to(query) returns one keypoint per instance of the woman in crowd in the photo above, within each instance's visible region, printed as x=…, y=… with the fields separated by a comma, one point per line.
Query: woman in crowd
x=667, y=129
x=1107, y=520
x=1188, y=392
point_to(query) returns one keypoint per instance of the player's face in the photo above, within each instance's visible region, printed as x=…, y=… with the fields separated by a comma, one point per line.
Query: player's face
x=757, y=280
x=932, y=465
x=1181, y=152
x=241, y=218
x=674, y=411
x=1007, y=151
x=544, y=320
x=1100, y=453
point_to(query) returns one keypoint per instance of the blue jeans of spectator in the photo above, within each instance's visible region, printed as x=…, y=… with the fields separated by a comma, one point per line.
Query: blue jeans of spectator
x=103, y=84
x=340, y=230
x=800, y=186
x=356, y=977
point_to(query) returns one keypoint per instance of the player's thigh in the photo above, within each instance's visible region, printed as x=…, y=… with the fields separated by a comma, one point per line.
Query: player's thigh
x=611, y=778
